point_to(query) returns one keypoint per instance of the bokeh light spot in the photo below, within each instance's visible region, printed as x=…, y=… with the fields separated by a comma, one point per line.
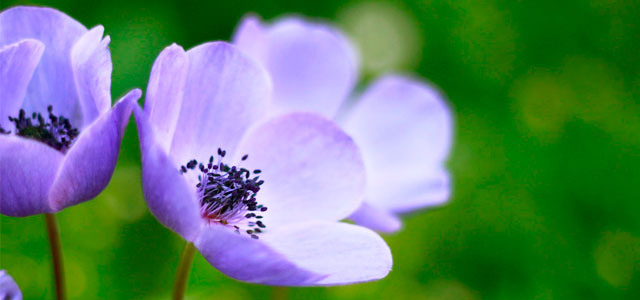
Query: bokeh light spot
x=617, y=258
x=487, y=38
x=387, y=36
x=543, y=103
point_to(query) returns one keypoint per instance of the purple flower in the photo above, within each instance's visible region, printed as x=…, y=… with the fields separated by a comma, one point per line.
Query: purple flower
x=402, y=126
x=8, y=288
x=260, y=199
x=59, y=136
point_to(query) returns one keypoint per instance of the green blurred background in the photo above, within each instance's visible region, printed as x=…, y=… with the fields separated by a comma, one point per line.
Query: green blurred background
x=545, y=163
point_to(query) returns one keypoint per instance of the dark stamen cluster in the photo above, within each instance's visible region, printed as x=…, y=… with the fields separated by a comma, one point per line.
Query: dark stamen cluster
x=228, y=194
x=56, y=131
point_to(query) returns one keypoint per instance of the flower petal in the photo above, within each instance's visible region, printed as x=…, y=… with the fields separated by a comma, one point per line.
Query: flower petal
x=246, y=259
x=431, y=190
x=345, y=253
x=225, y=93
x=166, y=191
x=89, y=164
x=312, y=65
x=403, y=129
x=375, y=218
x=8, y=288
x=91, y=64
x=165, y=91
x=53, y=82
x=28, y=170
x=251, y=37
x=311, y=168
x=17, y=63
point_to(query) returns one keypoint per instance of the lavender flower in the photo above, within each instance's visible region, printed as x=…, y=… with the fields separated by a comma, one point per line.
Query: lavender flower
x=401, y=125
x=260, y=199
x=8, y=288
x=59, y=136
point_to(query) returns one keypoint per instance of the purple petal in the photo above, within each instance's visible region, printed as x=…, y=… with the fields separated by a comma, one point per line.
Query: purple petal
x=311, y=168
x=169, y=197
x=53, y=82
x=312, y=65
x=17, y=63
x=165, y=91
x=8, y=288
x=225, y=93
x=91, y=64
x=375, y=218
x=251, y=37
x=345, y=253
x=89, y=164
x=403, y=128
x=246, y=259
x=431, y=190
x=28, y=170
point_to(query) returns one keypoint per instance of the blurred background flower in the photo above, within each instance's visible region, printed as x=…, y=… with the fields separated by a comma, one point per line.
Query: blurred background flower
x=545, y=164
x=402, y=126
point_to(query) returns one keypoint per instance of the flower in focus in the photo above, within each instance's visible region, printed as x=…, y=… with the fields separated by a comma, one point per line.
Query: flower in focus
x=59, y=136
x=260, y=199
x=8, y=288
x=402, y=126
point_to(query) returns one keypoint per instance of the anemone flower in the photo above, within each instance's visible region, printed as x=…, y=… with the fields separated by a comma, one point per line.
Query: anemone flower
x=59, y=135
x=402, y=126
x=8, y=288
x=259, y=198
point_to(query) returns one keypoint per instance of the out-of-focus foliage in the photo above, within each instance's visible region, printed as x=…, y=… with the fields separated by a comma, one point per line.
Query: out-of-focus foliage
x=546, y=163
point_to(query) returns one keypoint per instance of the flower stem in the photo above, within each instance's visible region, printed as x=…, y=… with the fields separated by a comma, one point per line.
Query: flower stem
x=182, y=273
x=56, y=254
x=280, y=293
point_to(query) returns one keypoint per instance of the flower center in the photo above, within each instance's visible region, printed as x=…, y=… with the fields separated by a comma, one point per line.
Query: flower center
x=56, y=132
x=227, y=194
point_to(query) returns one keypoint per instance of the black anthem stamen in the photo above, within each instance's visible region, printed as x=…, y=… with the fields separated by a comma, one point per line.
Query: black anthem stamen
x=56, y=131
x=227, y=194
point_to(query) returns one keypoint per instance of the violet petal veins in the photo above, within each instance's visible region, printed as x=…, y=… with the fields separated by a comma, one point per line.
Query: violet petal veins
x=259, y=198
x=59, y=136
x=402, y=125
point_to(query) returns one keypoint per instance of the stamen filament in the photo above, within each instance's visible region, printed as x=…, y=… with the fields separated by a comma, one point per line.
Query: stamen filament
x=227, y=194
x=55, y=131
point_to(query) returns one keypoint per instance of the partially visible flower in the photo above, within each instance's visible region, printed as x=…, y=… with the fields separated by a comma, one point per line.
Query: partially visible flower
x=8, y=288
x=260, y=199
x=402, y=126
x=59, y=136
